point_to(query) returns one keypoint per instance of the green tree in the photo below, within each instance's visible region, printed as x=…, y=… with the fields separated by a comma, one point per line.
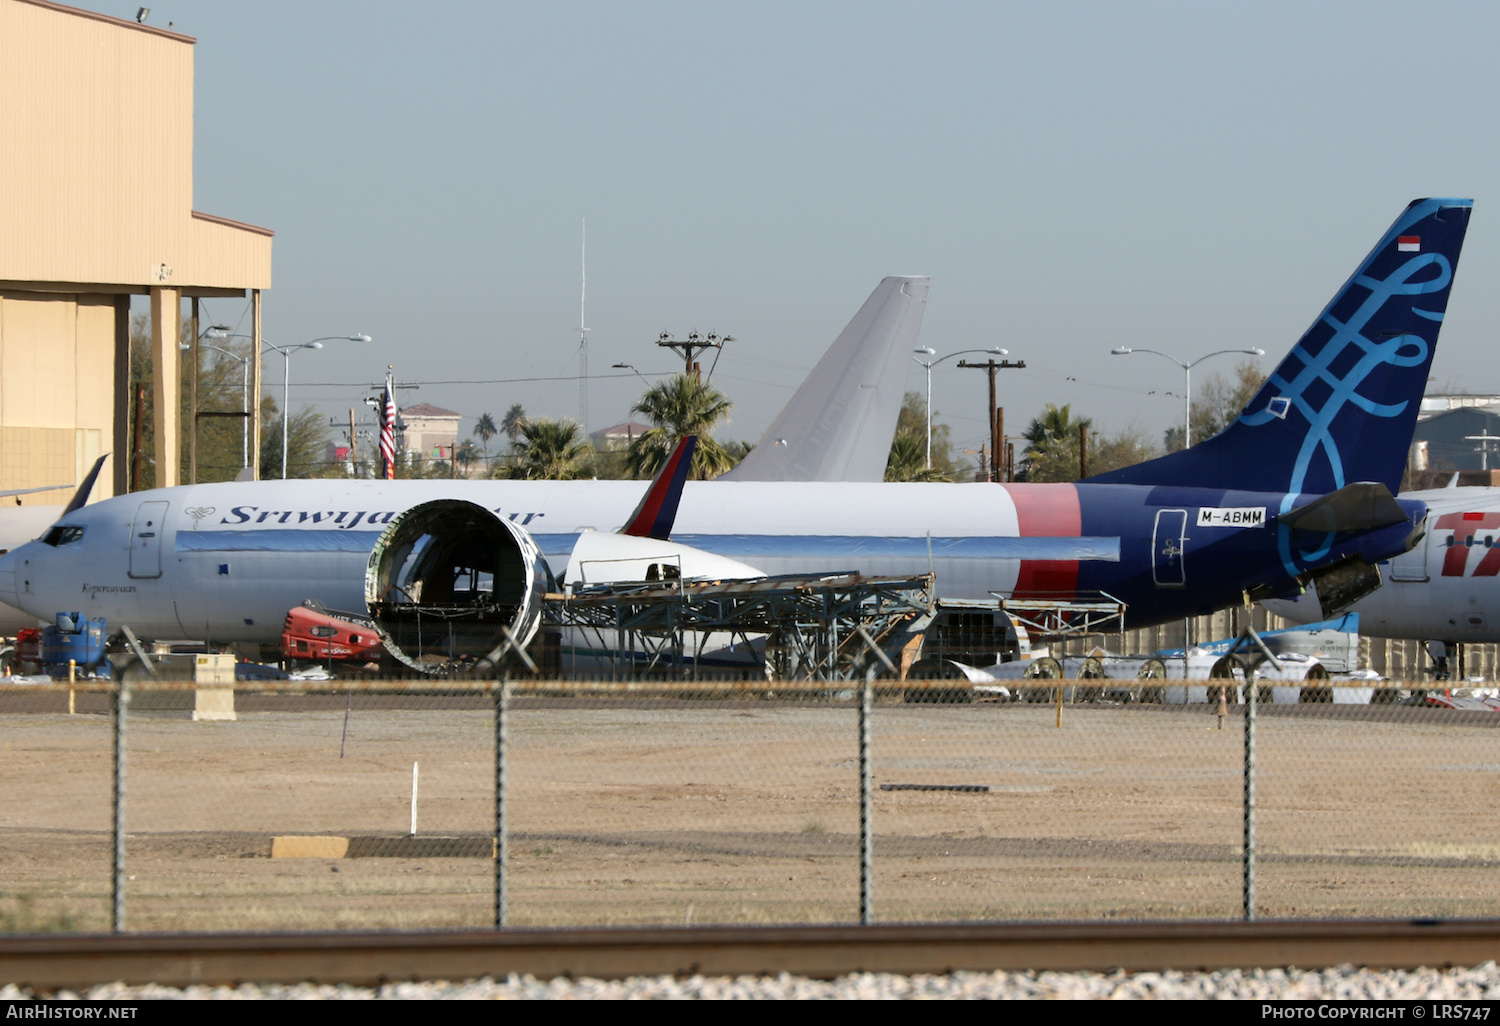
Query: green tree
x=467, y=454
x=307, y=443
x=513, y=423
x=1053, y=444
x=678, y=406
x=220, y=388
x=484, y=430
x=1115, y=452
x=1218, y=402
x=550, y=450
x=908, y=459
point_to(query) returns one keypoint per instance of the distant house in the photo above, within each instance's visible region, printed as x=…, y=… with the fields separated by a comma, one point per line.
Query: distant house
x=619, y=436
x=431, y=431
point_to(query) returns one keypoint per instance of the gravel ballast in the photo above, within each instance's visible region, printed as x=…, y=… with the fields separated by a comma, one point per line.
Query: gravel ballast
x=1338, y=983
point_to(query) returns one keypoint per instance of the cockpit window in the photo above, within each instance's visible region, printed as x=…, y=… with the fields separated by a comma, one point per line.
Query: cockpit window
x=63, y=535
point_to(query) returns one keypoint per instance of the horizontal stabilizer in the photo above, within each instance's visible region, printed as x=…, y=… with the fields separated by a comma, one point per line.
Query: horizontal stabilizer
x=57, y=488
x=1362, y=506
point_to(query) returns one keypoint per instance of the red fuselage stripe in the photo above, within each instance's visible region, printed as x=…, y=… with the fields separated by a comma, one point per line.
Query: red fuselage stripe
x=1047, y=511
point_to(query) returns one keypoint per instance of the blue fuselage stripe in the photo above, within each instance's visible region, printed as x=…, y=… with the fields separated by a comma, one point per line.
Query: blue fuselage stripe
x=736, y=546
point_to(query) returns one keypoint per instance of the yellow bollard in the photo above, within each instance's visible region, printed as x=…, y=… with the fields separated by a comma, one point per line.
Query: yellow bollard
x=72, y=679
x=1059, y=703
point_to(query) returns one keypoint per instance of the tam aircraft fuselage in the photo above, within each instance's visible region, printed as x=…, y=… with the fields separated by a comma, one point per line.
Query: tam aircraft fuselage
x=1447, y=588
x=226, y=562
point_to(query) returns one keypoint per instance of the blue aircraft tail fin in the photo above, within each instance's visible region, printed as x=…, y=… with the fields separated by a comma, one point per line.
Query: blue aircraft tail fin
x=1343, y=404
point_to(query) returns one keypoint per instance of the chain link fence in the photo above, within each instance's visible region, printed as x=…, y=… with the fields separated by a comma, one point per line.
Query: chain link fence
x=374, y=805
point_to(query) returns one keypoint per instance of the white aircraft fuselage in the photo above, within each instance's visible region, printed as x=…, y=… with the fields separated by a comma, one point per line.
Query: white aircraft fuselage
x=225, y=562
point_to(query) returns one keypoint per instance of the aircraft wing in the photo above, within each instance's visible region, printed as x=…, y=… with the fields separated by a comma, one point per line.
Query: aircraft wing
x=839, y=425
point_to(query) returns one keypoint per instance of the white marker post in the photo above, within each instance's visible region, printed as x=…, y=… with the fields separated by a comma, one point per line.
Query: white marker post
x=413, y=800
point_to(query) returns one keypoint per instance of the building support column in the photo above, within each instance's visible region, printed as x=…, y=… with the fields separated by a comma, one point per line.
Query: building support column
x=193, y=400
x=166, y=329
x=121, y=391
x=254, y=410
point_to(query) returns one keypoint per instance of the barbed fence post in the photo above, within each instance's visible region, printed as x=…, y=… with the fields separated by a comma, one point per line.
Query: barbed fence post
x=502, y=846
x=120, y=703
x=866, y=775
x=866, y=812
x=1249, y=858
x=502, y=750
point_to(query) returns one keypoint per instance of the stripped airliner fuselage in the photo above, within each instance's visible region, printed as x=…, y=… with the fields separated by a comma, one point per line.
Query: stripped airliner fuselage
x=1299, y=485
x=227, y=561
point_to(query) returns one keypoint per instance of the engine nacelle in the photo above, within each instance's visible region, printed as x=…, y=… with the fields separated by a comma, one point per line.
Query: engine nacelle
x=445, y=576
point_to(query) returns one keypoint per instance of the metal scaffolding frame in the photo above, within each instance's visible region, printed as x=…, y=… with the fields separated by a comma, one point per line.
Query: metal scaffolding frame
x=1057, y=619
x=809, y=623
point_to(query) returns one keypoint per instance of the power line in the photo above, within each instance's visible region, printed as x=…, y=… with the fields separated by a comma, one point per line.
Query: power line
x=476, y=381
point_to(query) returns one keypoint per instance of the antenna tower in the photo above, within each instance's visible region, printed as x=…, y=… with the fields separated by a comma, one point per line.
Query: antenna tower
x=583, y=331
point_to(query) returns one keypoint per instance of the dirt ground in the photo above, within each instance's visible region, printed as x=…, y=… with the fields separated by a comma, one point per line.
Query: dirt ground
x=748, y=812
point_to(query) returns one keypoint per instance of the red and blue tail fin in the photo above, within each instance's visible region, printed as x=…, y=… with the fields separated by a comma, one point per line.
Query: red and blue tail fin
x=658, y=509
x=1342, y=406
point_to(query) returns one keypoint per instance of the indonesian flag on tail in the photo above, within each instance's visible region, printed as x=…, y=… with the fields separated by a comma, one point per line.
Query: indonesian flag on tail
x=1409, y=243
x=388, y=430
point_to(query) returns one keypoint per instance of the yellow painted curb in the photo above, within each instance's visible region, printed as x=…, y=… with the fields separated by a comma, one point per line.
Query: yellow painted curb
x=293, y=847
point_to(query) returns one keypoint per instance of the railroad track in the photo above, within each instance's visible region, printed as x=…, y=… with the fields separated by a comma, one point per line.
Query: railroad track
x=51, y=962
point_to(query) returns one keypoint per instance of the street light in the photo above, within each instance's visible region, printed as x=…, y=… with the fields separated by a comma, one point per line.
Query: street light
x=286, y=375
x=1187, y=379
x=631, y=368
x=929, y=364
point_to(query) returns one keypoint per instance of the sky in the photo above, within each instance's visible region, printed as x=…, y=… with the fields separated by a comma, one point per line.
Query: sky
x=1076, y=176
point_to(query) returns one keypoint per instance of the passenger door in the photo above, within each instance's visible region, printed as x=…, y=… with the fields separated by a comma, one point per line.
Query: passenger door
x=1168, y=541
x=145, y=539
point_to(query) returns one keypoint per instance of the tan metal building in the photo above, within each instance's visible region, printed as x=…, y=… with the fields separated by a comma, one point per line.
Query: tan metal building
x=96, y=205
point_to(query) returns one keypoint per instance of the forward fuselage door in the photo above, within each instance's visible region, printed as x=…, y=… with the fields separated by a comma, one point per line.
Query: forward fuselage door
x=1168, y=541
x=145, y=539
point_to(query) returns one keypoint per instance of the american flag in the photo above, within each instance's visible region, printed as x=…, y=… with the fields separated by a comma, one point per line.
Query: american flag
x=388, y=430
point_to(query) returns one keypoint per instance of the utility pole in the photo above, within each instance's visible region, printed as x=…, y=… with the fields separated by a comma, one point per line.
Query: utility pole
x=996, y=421
x=690, y=347
x=1485, y=438
x=997, y=455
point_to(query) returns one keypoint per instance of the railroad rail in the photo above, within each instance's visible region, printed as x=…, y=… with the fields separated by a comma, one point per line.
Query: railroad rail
x=52, y=962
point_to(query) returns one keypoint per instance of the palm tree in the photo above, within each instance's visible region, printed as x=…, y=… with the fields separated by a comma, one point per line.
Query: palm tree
x=514, y=422
x=484, y=430
x=466, y=455
x=908, y=459
x=550, y=450
x=1052, y=454
x=679, y=406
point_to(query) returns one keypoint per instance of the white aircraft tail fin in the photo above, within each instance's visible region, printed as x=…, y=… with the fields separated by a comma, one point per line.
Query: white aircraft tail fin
x=839, y=425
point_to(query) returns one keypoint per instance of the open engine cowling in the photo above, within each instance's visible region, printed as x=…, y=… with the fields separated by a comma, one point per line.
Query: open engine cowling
x=444, y=577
